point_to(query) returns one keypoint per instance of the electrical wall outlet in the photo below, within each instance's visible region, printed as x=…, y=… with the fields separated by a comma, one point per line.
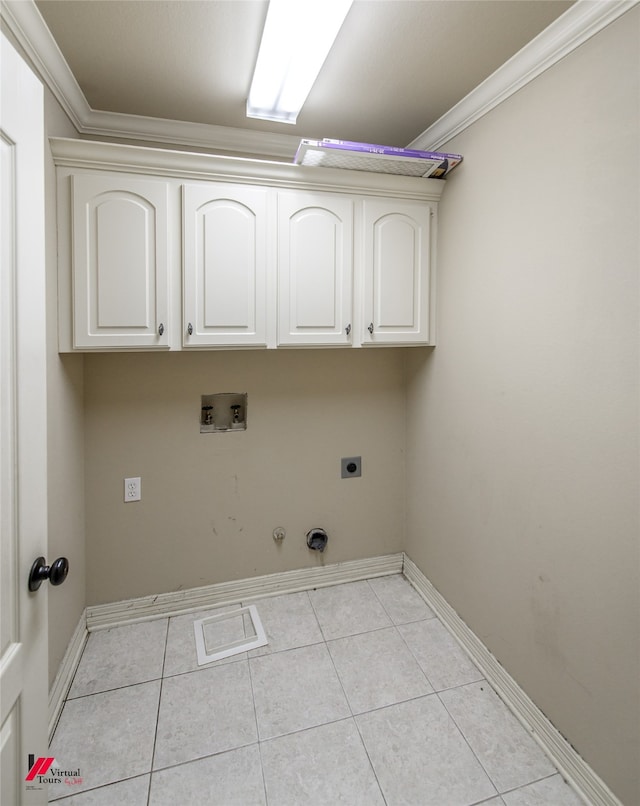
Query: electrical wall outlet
x=132, y=490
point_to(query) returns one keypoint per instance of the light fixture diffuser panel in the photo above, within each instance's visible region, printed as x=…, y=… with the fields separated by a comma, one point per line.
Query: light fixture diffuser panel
x=291, y=55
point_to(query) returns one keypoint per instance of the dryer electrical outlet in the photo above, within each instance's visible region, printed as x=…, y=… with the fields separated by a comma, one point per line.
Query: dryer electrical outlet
x=351, y=467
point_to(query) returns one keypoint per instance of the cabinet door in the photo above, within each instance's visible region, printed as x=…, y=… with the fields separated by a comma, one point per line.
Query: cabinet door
x=120, y=262
x=396, y=257
x=226, y=265
x=315, y=269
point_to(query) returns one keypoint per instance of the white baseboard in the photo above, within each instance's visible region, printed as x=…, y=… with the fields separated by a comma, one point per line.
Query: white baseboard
x=243, y=590
x=66, y=671
x=587, y=784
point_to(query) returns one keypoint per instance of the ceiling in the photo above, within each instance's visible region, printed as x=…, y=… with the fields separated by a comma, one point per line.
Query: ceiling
x=396, y=67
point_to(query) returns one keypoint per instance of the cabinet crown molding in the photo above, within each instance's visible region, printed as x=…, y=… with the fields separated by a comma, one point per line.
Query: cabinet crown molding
x=69, y=152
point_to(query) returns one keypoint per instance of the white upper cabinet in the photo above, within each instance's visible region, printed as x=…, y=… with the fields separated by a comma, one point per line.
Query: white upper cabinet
x=120, y=262
x=174, y=250
x=226, y=265
x=396, y=261
x=315, y=269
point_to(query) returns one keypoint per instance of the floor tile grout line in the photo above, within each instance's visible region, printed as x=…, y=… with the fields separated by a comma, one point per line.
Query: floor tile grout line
x=500, y=792
x=393, y=621
x=258, y=740
x=110, y=690
x=62, y=800
x=446, y=688
x=413, y=655
x=373, y=769
x=468, y=743
x=348, y=635
x=486, y=800
x=70, y=698
x=166, y=646
x=339, y=679
x=315, y=613
x=288, y=649
x=394, y=704
x=531, y=783
x=304, y=730
x=372, y=589
x=149, y=781
x=197, y=759
x=419, y=665
x=420, y=669
x=349, y=716
x=461, y=685
x=155, y=732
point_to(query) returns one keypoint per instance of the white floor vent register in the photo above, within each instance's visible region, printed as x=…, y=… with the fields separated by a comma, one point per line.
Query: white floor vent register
x=228, y=633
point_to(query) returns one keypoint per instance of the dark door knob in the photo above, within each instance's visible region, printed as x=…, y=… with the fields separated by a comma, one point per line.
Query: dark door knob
x=56, y=573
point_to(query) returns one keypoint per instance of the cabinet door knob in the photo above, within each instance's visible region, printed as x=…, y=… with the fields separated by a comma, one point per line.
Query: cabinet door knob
x=347, y=329
x=370, y=328
x=190, y=329
x=160, y=329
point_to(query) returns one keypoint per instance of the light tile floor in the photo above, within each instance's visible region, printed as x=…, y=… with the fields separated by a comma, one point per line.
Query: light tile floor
x=361, y=697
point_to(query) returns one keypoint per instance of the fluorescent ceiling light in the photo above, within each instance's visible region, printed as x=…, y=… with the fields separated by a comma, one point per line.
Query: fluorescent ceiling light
x=296, y=39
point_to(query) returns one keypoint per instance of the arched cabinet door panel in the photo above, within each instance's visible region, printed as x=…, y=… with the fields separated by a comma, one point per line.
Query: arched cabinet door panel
x=315, y=269
x=397, y=257
x=226, y=265
x=119, y=262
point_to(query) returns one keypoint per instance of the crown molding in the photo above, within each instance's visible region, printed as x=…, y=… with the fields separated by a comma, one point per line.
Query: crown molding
x=579, y=23
x=25, y=22
x=179, y=132
x=109, y=156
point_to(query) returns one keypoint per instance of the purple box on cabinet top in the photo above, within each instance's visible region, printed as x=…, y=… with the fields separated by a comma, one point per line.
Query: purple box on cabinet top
x=329, y=153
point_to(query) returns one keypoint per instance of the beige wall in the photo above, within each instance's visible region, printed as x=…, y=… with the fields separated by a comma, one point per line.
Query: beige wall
x=523, y=450
x=210, y=502
x=65, y=426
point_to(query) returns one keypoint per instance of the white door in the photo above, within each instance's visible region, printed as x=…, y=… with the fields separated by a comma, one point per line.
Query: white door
x=315, y=269
x=23, y=471
x=397, y=249
x=227, y=265
x=120, y=262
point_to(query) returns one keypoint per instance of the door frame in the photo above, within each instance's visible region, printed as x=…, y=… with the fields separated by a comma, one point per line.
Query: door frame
x=23, y=366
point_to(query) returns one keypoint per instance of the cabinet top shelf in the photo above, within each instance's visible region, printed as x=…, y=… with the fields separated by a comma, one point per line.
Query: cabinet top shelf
x=187, y=165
